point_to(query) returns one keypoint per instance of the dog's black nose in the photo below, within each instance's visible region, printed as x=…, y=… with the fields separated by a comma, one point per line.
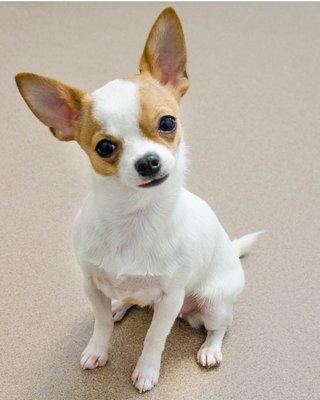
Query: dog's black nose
x=148, y=165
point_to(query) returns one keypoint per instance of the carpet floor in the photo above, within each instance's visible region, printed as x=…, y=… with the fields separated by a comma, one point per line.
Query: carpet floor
x=252, y=120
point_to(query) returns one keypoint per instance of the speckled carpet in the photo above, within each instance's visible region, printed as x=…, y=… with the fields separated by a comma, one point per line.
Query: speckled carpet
x=253, y=109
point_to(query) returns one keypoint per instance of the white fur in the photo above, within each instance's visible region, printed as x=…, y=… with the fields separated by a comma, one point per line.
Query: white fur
x=160, y=246
x=244, y=244
x=117, y=106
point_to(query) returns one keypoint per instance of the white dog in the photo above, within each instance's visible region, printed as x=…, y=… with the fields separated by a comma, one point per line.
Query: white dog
x=140, y=237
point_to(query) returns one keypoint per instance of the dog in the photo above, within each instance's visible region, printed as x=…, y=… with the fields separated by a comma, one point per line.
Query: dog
x=140, y=238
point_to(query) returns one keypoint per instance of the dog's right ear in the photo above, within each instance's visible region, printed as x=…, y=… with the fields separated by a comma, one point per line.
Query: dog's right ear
x=55, y=104
x=165, y=55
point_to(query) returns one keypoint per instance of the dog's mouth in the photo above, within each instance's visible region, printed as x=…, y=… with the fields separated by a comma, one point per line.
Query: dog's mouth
x=154, y=182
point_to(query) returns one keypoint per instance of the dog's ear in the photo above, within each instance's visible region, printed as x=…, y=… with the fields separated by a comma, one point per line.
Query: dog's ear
x=55, y=104
x=165, y=55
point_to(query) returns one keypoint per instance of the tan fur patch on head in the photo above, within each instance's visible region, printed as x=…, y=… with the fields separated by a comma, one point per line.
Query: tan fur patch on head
x=157, y=101
x=90, y=134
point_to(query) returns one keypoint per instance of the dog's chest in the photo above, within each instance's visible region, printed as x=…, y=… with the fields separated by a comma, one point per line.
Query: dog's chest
x=131, y=289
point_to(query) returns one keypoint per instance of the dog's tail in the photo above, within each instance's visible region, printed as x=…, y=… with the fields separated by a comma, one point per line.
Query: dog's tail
x=244, y=244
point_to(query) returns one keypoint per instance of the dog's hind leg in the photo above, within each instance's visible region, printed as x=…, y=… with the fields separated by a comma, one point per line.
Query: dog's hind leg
x=193, y=319
x=209, y=353
x=119, y=309
x=216, y=324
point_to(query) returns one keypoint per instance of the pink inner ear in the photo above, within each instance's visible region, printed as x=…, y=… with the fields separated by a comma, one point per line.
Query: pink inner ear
x=167, y=72
x=170, y=59
x=65, y=112
x=63, y=116
x=59, y=112
x=50, y=101
x=170, y=73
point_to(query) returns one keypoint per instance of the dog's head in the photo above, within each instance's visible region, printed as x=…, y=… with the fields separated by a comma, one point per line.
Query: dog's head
x=130, y=128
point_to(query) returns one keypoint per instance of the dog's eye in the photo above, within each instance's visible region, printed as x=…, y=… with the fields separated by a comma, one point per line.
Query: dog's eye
x=105, y=148
x=167, y=123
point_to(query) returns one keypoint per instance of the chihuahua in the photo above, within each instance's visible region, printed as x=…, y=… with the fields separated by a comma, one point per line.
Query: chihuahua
x=140, y=237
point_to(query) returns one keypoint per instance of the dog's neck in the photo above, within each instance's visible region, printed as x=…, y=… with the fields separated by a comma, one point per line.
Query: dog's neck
x=114, y=201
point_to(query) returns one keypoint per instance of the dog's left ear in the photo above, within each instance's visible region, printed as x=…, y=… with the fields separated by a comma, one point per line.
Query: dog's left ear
x=56, y=104
x=165, y=54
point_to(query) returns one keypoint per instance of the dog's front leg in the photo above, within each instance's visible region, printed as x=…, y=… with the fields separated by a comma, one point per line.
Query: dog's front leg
x=96, y=353
x=146, y=373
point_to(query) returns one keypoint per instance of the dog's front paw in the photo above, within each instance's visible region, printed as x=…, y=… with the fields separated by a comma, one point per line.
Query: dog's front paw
x=145, y=377
x=209, y=356
x=94, y=355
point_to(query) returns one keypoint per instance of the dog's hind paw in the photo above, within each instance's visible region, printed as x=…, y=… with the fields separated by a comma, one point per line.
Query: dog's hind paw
x=93, y=356
x=145, y=378
x=209, y=357
x=92, y=361
x=119, y=310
